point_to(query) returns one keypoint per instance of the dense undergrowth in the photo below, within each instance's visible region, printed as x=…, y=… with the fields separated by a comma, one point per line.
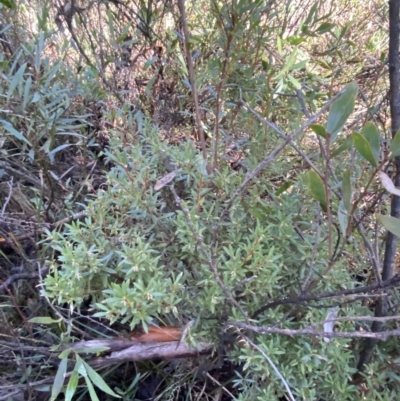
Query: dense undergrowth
x=130, y=199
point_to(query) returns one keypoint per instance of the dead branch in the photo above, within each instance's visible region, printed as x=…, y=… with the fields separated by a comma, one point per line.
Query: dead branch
x=383, y=335
x=383, y=285
x=128, y=351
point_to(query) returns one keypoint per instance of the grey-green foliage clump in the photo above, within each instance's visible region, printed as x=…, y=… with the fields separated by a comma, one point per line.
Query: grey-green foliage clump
x=136, y=254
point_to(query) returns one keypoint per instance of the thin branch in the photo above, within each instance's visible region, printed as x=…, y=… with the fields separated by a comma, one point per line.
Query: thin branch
x=291, y=397
x=383, y=335
x=10, y=188
x=360, y=319
x=47, y=226
x=264, y=163
x=181, y=4
x=391, y=240
x=383, y=285
x=22, y=276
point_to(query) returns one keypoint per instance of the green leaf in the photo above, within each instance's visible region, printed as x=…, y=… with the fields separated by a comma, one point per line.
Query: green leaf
x=16, y=80
x=317, y=188
x=325, y=27
x=395, y=145
x=92, y=393
x=96, y=350
x=72, y=385
x=371, y=133
x=59, y=379
x=8, y=126
x=319, y=130
x=44, y=320
x=283, y=187
x=364, y=148
x=346, y=190
x=8, y=3
x=64, y=354
x=391, y=223
x=343, y=217
x=344, y=146
x=294, y=81
x=98, y=380
x=341, y=109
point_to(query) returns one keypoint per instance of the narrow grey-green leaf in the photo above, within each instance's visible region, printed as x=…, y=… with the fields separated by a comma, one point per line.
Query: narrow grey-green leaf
x=44, y=320
x=98, y=380
x=325, y=27
x=395, y=145
x=341, y=109
x=371, y=133
x=364, y=148
x=343, y=218
x=96, y=350
x=294, y=81
x=27, y=91
x=57, y=149
x=14, y=132
x=391, y=223
x=286, y=185
x=319, y=130
x=317, y=188
x=346, y=190
x=344, y=146
x=72, y=385
x=92, y=392
x=64, y=354
x=59, y=379
x=16, y=80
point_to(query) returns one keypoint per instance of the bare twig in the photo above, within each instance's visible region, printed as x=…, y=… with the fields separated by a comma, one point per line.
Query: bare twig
x=383, y=335
x=22, y=276
x=383, y=285
x=374, y=257
x=147, y=351
x=47, y=226
x=10, y=188
x=264, y=163
x=199, y=126
x=220, y=385
x=360, y=319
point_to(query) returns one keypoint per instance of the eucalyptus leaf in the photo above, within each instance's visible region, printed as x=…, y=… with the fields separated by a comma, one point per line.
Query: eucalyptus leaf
x=391, y=223
x=317, y=188
x=343, y=218
x=364, y=148
x=344, y=146
x=346, y=190
x=325, y=27
x=319, y=130
x=286, y=185
x=341, y=109
x=395, y=145
x=371, y=134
